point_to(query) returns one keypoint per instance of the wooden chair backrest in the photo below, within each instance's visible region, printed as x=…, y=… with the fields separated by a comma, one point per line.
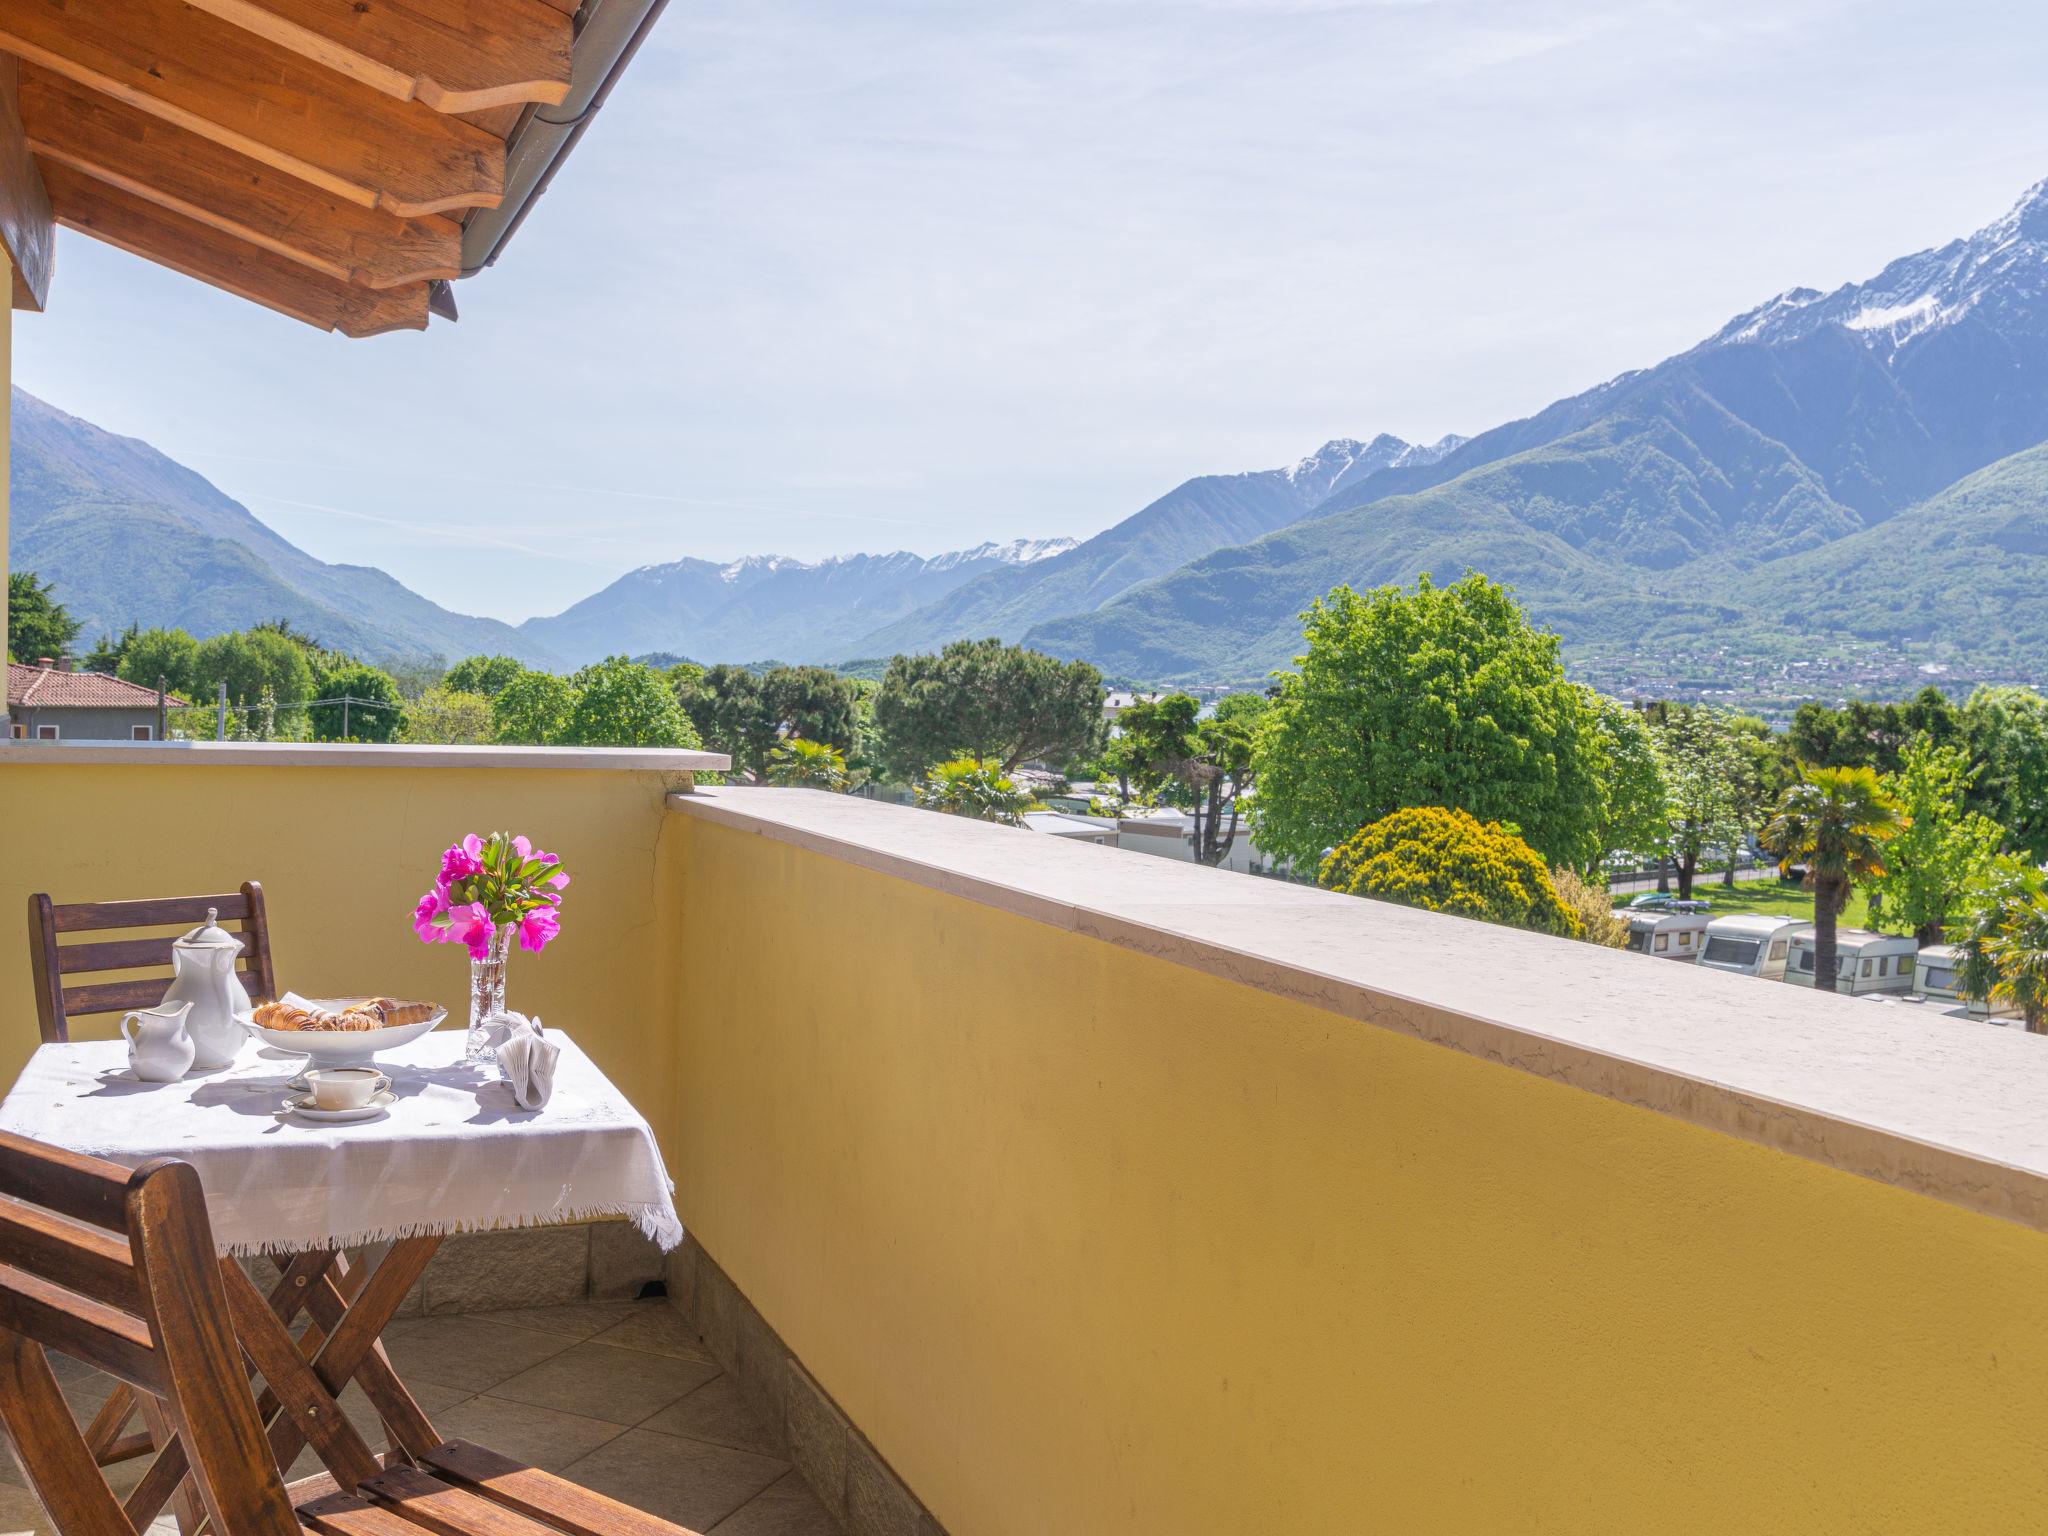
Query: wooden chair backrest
x=116, y=1268
x=57, y=1003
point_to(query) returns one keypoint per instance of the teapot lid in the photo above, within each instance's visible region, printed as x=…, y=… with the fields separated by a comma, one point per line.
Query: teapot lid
x=208, y=935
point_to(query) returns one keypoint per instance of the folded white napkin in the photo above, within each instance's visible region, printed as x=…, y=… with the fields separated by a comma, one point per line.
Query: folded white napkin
x=528, y=1059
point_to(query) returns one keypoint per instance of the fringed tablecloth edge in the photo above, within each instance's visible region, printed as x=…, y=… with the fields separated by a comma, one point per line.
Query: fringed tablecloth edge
x=659, y=1224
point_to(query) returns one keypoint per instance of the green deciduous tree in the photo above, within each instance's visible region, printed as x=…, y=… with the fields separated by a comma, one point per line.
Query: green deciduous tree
x=1427, y=696
x=486, y=675
x=251, y=662
x=1837, y=822
x=109, y=651
x=1705, y=774
x=986, y=700
x=1449, y=861
x=37, y=624
x=1634, y=813
x=358, y=702
x=443, y=717
x=974, y=787
x=2006, y=733
x=1864, y=734
x=1941, y=852
x=170, y=654
x=619, y=703
x=802, y=764
x=747, y=714
x=532, y=710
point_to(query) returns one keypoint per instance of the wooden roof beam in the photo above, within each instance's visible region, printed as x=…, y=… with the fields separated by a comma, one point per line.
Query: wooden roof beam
x=26, y=228
x=175, y=169
x=261, y=100
x=185, y=245
x=454, y=55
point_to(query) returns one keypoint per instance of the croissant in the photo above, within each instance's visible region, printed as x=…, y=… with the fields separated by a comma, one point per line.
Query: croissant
x=369, y=1013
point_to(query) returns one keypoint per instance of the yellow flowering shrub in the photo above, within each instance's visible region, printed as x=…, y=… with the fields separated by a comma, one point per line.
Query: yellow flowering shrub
x=1448, y=861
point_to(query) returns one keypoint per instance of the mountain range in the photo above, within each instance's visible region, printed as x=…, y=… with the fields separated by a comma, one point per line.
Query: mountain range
x=1855, y=468
x=1834, y=489
x=127, y=535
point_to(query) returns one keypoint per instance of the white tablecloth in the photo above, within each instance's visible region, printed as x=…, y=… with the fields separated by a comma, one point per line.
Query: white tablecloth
x=455, y=1154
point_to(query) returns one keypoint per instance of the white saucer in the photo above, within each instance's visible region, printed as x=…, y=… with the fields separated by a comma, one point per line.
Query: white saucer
x=302, y=1106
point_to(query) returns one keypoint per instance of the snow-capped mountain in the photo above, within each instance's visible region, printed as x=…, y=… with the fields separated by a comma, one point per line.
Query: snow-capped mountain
x=763, y=607
x=2000, y=271
x=1207, y=513
x=1654, y=510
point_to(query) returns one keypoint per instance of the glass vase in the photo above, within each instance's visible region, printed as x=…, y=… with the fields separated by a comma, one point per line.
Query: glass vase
x=487, y=994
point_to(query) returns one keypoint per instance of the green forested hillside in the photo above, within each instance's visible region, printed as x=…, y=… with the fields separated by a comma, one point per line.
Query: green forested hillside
x=127, y=535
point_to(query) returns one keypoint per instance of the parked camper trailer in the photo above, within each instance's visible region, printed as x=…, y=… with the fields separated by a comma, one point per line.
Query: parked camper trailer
x=1751, y=944
x=1865, y=962
x=1668, y=935
x=1938, y=979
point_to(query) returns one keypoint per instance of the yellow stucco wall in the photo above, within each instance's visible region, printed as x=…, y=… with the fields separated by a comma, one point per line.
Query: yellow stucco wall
x=343, y=853
x=1089, y=1242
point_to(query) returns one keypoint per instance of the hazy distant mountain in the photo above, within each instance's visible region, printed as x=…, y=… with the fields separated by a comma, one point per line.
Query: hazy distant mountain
x=128, y=535
x=1204, y=514
x=767, y=605
x=1682, y=498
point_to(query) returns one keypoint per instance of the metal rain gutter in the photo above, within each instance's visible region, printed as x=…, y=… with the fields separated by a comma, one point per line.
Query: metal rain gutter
x=605, y=44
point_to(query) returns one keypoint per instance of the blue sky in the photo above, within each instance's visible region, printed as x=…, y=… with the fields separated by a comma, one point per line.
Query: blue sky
x=830, y=277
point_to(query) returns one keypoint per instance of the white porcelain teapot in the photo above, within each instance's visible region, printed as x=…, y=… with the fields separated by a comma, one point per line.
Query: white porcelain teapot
x=159, y=1048
x=203, y=974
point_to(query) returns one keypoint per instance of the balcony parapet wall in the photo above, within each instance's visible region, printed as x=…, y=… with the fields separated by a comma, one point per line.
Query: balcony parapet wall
x=1106, y=1193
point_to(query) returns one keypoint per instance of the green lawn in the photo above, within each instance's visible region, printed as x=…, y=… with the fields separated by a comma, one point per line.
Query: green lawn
x=1772, y=897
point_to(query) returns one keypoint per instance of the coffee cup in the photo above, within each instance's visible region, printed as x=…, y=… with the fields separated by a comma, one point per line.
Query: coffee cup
x=344, y=1087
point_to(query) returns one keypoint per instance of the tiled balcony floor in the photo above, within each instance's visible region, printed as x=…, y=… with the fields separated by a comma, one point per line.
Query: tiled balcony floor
x=619, y=1396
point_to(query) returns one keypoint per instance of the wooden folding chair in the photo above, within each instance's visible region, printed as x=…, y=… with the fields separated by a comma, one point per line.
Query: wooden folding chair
x=58, y=1003
x=117, y=1269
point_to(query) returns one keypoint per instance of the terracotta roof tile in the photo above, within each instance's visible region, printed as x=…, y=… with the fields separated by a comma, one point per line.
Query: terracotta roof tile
x=47, y=688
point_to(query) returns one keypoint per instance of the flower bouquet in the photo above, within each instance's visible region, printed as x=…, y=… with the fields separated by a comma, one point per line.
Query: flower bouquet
x=491, y=890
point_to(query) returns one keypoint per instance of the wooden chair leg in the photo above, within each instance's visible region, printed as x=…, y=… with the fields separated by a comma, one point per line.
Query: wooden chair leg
x=185, y=1502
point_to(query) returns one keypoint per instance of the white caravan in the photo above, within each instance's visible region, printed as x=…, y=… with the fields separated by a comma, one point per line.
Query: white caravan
x=1751, y=944
x=1865, y=962
x=1668, y=935
x=1938, y=979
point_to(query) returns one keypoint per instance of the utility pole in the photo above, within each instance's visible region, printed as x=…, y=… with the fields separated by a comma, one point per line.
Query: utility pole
x=344, y=717
x=162, y=715
x=220, y=714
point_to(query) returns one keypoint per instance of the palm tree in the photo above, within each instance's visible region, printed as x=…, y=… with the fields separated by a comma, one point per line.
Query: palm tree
x=2004, y=943
x=801, y=764
x=976, y=787
x=1836, y=821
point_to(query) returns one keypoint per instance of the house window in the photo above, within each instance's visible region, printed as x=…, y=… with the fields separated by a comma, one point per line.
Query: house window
x=20, y=731
x=1685, y=941
x=1663, y=942
x=141, y=733
x=1777, y=949
x=1884, y=965
x=1905, y=965
x=46, y=733
x=1866, y=967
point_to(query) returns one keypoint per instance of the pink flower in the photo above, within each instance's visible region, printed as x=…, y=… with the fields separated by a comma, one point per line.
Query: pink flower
x=536, y=928
x=460, y=862
x=471, y=926
x=522, y=847
x=559, y=882
x=431, y=906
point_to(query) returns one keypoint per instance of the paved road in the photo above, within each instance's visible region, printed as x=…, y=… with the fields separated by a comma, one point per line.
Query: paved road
x=1703, y=884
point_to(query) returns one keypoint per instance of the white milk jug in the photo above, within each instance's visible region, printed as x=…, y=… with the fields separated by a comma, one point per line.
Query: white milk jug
x=159, y=1046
